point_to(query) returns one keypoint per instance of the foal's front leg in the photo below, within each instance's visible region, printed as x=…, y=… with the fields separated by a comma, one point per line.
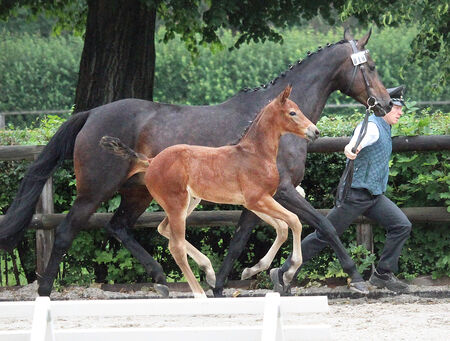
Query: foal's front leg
x=282, y=234
x=267, y=205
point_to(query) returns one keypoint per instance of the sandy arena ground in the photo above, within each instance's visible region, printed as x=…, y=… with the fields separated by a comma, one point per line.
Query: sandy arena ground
x=424, y=314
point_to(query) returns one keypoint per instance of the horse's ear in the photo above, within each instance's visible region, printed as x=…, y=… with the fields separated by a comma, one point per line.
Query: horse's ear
x=284, y=95
x=363, y=41
x=347, y=35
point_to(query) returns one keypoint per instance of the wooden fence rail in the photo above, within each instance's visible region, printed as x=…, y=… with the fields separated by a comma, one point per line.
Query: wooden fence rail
x=426, y=143
x=220, y=218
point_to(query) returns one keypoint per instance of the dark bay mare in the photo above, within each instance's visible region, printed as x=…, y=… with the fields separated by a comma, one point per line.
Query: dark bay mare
x=151, y=127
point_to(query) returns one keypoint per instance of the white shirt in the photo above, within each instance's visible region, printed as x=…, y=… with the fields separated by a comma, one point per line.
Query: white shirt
x=372, y=135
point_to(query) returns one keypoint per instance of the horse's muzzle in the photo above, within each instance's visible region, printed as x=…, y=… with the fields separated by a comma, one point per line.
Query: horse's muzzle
x=380, y=110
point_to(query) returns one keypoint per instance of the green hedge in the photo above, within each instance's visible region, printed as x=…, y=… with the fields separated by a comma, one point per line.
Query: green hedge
x=39, y=72
x=417, y=179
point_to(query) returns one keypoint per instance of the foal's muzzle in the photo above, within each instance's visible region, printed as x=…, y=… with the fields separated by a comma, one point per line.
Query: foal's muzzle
x=312, y=133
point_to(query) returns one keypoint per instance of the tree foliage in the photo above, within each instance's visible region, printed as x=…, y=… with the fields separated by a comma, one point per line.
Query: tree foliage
x=201, y=22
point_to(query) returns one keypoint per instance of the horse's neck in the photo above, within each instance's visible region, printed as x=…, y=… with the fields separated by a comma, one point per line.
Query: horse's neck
x=312, y=83
x=263, y=137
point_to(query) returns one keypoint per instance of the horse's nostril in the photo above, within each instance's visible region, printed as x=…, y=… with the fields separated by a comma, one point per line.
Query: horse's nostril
x=317, y=132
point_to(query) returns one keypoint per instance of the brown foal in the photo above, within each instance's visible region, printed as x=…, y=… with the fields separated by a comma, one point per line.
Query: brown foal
x=244, y=174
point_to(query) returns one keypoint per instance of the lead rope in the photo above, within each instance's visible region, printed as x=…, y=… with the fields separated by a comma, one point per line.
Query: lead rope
x=346, y=179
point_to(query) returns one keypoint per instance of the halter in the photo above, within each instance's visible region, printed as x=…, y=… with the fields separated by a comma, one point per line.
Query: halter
x=358, y=59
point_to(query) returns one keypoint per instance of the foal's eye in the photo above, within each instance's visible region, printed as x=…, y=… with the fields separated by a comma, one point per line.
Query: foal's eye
x=292, y=113
x=372, y=67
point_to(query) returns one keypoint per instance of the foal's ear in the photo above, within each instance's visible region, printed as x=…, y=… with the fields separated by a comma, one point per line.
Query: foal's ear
x=363, y=41
x=284, y=95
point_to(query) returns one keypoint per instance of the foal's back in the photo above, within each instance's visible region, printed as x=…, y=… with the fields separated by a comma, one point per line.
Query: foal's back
x=213, y=174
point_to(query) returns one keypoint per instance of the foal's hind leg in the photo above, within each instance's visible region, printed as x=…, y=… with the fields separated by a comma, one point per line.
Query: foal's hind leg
x=203, y=262
x=135, y=199
x=282, y=234
x=176, y=212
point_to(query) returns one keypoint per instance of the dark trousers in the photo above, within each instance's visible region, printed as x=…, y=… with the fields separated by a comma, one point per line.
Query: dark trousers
x=376, y=207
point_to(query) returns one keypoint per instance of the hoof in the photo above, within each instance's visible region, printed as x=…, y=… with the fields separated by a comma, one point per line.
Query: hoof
x=358, y=287
x=211, y=279
x=247, y=273
x=287, y=278
x=218, y=292
x=161, y=289
x=44, y=290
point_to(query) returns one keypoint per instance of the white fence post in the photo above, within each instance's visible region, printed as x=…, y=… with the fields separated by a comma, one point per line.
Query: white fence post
x=272, y=329
x=42, y=328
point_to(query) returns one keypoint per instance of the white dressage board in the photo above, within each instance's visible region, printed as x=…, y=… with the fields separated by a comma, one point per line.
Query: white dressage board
x=272, y=307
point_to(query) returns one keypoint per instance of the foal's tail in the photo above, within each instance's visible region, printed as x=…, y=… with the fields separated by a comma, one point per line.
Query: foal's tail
x=117, y=147
x=20, y=213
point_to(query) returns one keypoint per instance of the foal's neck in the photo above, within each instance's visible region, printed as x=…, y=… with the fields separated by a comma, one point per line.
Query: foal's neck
x=263, y=136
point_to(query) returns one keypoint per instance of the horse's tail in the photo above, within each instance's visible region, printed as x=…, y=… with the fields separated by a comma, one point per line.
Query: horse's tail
x=20, y=213
x=117, y=147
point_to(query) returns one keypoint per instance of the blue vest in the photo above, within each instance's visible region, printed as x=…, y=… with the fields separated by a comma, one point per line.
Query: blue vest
x=372, y=163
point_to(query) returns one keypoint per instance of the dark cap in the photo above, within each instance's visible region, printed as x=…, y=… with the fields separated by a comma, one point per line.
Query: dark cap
x=397, y=95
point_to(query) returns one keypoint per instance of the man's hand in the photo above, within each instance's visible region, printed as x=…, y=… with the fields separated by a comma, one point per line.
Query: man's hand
x=348, y=152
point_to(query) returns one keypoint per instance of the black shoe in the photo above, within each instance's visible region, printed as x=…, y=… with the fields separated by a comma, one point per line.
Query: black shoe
x=389, y=281
x=276, y=276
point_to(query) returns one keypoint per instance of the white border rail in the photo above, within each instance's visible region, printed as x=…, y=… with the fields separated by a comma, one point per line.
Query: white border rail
x=272, y=306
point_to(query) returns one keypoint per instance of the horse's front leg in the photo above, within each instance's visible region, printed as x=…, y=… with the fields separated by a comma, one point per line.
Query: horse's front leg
x=282, y=234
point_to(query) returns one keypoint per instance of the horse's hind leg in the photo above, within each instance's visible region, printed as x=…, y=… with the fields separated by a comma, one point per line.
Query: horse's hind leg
x=77, y=217
x=135, y=199
x=282, y=234
x=203, y=262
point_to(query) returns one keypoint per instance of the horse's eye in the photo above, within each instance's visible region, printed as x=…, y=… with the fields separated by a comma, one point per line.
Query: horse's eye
x=292, y=113
x=372, y=67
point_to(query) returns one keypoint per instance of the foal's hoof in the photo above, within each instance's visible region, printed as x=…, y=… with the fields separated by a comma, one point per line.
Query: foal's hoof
x=247, y=273
x=211, y=279
x=161, y=289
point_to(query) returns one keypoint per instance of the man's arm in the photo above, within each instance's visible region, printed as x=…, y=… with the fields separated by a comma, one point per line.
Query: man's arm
x=370, y=138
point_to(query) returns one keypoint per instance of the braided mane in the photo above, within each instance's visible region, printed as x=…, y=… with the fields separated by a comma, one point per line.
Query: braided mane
x=309, y=54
